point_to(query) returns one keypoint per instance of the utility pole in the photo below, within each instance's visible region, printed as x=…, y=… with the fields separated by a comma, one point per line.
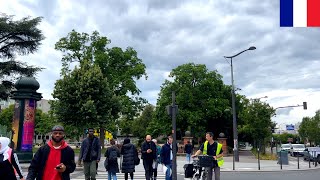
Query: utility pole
x=172, y=110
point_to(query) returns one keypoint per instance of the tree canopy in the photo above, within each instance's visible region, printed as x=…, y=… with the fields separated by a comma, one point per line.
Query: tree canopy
x=256, y=120
x=119, y=69
x=84, y=98
x=309, y=129
x=202, y=98
x=19, y=37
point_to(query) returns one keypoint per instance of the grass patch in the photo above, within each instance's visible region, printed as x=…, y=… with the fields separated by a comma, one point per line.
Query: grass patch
x=36, y=148
x=266, y=156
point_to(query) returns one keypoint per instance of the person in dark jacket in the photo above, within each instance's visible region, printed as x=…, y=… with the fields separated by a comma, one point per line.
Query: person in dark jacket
x=128, y=152
x=113, y=166
x=8, y=161
x=188, y=150
x=55, y=160
x=166, y=157
x=149, y=154
x=90, y=154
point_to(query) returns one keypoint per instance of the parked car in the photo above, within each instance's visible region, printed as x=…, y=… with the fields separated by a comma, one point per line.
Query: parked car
x=285, y=147
x=297, y=149
x=312, y=153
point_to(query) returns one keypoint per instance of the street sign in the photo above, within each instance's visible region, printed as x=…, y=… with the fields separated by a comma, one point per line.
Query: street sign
x=289, y=127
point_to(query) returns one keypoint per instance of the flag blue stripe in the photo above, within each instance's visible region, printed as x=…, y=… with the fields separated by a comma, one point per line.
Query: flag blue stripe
x=286, y=13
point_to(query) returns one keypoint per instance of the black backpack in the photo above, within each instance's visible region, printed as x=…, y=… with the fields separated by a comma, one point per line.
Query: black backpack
x=113, y=156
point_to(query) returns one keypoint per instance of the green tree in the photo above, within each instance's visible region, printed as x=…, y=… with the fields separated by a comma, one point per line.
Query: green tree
x=120, y=67
x=256, y=120
x=6, y=116
x=17, y=37
x=309, y=129
x=143, y=121
x=84, y=99
x=202, y=98
x=43, y=121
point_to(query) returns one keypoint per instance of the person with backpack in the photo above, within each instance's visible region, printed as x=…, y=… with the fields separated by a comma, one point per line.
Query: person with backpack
x=112, y=153
x=8, y=161
x=129, y=154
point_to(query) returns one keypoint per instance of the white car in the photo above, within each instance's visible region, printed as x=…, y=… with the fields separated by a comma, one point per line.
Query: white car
x=286, y=147
x=297, y=149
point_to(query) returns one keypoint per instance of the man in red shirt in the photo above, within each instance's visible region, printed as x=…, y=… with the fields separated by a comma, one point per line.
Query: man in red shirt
x=54, y=161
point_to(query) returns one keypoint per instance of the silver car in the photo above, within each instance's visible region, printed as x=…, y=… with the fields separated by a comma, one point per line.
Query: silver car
x=297, y=149
x=286, y=147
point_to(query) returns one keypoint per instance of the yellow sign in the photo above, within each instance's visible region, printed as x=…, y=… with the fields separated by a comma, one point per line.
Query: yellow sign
x=108, y=135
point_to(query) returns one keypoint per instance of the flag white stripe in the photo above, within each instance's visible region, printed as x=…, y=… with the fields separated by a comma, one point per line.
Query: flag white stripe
x=299, y=13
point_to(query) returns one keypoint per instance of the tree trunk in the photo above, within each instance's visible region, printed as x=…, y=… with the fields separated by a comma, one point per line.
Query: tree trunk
x=102, y=131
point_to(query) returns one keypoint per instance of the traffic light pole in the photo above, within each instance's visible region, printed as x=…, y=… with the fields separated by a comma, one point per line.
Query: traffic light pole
x=172, y=110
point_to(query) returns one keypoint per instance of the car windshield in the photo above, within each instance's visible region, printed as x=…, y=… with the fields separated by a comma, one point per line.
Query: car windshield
x=298, y=145
x=285, y=146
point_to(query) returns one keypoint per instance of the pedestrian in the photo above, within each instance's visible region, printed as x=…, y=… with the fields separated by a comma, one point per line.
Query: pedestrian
x=212, y=148
x=166, y=157
x=129, y=153
x=188, y=150
x=112, y=153
x=90, y=153
x=157, y=161
x=53, y=161
x=148, y=150
x=9, y=163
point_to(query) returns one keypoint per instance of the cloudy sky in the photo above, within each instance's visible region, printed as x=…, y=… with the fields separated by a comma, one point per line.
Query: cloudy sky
x=168, y=33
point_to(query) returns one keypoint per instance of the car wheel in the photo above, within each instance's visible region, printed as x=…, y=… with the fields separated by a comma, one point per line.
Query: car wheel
x=318, y=159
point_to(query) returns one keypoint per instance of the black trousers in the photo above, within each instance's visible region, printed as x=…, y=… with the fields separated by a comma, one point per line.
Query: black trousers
x=147, y=164
x=126, y=175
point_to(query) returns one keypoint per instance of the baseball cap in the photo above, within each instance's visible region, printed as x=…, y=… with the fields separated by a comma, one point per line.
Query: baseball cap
x=58, y=128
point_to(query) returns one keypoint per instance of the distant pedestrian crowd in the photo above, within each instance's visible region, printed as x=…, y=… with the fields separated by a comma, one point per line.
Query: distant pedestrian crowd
x=55, y=160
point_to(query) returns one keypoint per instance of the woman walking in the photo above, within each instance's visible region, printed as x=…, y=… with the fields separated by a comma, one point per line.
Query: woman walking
x=112, y=154
x=157, y=161
x=8, y=161
x=128, y=152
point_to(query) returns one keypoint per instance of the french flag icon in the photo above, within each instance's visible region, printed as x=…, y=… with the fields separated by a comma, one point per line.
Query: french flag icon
x=299, y=13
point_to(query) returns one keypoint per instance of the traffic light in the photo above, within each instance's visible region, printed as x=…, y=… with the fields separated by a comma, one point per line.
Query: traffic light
x=304, y=105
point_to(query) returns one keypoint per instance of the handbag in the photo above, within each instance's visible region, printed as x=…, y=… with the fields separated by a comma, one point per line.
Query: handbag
x=106, y=163
x=136, y=158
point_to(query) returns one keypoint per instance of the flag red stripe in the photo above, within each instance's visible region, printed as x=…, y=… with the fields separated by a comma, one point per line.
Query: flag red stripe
x=313, y=13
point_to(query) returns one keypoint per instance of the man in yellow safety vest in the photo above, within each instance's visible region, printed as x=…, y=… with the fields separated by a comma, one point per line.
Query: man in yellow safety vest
x=212, y=148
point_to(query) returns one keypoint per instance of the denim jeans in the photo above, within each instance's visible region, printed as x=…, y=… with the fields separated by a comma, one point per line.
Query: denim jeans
x=188, y=158
x=168, y=174
x=113, y=175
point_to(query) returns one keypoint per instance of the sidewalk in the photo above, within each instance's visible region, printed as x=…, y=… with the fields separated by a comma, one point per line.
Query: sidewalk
x=247, y=162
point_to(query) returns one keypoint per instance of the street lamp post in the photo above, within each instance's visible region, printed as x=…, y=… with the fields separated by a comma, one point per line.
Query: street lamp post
x=235, y=130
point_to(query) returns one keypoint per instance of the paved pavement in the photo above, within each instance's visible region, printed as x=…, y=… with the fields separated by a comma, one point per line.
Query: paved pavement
x=247, y=163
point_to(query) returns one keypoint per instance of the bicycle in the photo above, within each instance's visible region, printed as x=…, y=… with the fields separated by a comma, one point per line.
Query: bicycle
x=202, y=165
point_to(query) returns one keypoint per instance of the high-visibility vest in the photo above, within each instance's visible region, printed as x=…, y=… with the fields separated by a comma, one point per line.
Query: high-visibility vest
x=219, y=147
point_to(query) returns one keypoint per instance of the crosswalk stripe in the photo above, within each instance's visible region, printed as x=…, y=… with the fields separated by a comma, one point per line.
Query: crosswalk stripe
x=120, y=176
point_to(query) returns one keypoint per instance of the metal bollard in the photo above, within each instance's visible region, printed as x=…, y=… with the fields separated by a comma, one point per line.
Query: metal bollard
x=280, y=160
x=298, y=161
x=309, y=158
x=259, y=158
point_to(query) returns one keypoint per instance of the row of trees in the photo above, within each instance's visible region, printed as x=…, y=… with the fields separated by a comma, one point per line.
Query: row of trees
x=309, y=129
x=98, y=88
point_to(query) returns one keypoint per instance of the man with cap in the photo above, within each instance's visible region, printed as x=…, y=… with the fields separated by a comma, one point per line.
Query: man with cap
x=53, y=161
